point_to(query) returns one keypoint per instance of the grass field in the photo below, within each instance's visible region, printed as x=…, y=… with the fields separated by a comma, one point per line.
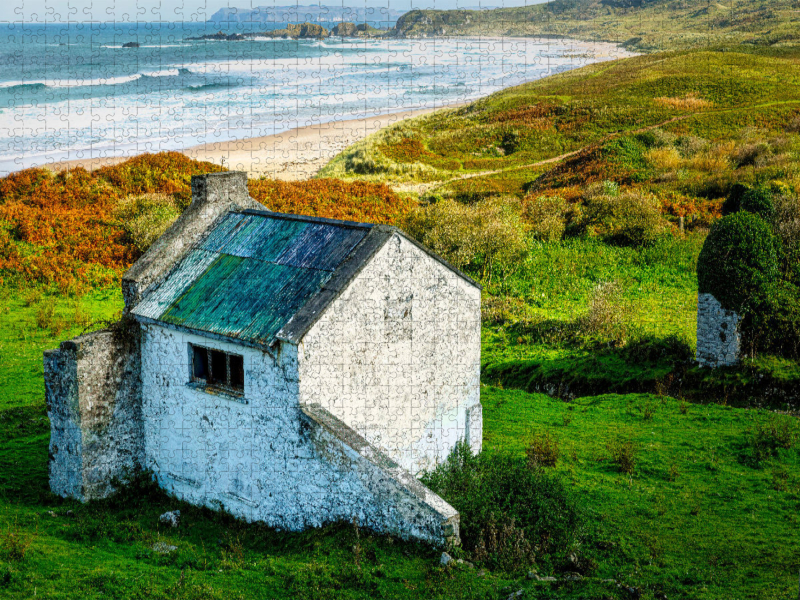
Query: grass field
x=704, y=513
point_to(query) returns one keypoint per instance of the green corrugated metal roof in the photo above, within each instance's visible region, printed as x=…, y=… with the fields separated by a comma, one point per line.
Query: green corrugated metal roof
x=251, y=274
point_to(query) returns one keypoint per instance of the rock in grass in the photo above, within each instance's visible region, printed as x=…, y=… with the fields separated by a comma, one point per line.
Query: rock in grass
x=446, y=559
x=173, y=518
x=163, y=548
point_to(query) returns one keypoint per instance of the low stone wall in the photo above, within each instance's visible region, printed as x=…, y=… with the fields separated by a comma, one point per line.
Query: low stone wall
x=94, y=401
x=718, y=338
x=391, y=500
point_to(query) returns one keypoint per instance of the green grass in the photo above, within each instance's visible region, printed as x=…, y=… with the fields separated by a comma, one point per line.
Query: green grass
x=701, y=516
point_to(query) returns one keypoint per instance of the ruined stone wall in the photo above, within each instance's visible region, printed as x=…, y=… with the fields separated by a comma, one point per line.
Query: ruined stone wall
x=718, y=337
x=397, y=357
x=93, y=394
x=263, y=458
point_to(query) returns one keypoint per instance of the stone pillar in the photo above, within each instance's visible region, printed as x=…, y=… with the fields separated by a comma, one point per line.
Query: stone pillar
x=94, y=400
x=475, y=428
x=718, y=338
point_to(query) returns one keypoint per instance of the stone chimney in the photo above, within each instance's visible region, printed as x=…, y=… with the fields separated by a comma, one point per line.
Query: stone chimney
x=213, y=195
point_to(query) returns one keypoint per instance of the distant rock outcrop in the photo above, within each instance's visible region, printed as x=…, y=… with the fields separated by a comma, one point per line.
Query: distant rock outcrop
x=344, y=30
x=353, y=30
x=291, y=32
x=130, y=45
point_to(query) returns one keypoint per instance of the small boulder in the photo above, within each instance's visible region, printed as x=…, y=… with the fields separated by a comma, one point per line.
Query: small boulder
x=515, y=595
x=172, y=518
x=163, y=548
x=446, y=559
x=130, y=45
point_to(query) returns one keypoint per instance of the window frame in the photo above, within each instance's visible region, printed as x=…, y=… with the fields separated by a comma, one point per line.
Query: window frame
x=209, y=381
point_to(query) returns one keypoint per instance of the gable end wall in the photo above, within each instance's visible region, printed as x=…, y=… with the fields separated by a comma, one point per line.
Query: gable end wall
x=397, y=357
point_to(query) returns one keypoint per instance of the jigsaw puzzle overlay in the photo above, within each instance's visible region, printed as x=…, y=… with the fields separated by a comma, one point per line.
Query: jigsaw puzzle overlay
x=108, y=88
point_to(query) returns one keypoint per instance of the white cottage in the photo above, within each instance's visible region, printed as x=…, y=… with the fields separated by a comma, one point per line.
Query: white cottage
x=293, y=370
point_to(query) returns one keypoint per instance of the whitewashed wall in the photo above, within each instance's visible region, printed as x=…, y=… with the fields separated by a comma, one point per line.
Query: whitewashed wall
x=397, y=357
x=266, y=460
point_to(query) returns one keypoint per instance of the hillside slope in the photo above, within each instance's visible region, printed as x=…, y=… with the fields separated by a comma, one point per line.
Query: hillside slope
x=642, y=25
x=712, y=117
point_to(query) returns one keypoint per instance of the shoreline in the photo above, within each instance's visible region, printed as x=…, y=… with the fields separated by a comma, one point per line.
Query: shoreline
x=292, y=155
x=300, y=153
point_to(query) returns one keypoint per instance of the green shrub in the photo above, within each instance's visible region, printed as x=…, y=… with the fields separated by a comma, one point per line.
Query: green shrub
x=629, y=219
x=146, y=217
x=733, y=202
x=542, y=450
x=771, y=323
x=487, y=236
x=607, y=315
x=738, y=260
x=546, y=216
x=759, y=202
x=768, y=437
x=787, y=228
x=624, y=454
x=492, y=491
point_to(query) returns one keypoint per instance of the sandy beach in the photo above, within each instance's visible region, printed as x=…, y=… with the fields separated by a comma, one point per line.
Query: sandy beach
x=295, y=154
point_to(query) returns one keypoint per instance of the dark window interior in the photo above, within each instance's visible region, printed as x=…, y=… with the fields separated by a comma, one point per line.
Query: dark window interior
x=237, y=371
x=218, y=368
x=199, y=363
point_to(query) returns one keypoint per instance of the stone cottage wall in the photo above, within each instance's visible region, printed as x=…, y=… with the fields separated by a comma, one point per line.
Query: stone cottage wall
x=93, y=394
x=262, y=457
x=397, y=357
x=718, y=337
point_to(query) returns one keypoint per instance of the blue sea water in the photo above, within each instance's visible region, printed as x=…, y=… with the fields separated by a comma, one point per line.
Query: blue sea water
x=72, y=91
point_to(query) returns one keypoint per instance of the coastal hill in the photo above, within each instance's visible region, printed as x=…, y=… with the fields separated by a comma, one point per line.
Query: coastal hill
x=641, y=25
x=315, y=13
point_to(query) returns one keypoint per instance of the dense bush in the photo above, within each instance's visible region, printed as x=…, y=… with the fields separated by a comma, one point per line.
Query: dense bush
x=546, y=216
x=627, y=219
x=733, y=201
x=492, y=489
x=488, y=236
x=738, y=261
x=759, y=202
x=144, y=218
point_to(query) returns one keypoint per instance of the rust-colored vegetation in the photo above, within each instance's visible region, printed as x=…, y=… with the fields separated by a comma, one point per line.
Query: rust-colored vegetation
x=76, y=230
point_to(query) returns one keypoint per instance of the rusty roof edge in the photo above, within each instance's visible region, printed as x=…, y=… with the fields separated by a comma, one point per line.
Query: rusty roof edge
x=305, y=318
x=206, y=334
x=321, y=220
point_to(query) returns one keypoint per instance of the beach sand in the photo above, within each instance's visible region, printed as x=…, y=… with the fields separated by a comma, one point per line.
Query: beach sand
x=295, y=154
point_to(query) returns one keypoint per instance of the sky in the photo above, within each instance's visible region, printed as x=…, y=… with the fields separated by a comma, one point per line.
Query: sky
x=196, y=10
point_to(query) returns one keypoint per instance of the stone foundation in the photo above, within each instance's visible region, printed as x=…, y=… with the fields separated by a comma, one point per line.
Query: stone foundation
x=718, y=338
x=94, y=401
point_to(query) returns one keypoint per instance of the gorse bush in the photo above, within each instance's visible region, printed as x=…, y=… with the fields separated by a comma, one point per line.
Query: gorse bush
x=542, y=450
x=487, y=237
x=146, y=217
x=546, y=217
x=500, y=495
x=607, y=316
x=627, y=219
x=759, y=202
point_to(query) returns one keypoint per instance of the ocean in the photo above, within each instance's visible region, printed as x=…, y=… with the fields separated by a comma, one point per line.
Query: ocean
x=71, y=91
